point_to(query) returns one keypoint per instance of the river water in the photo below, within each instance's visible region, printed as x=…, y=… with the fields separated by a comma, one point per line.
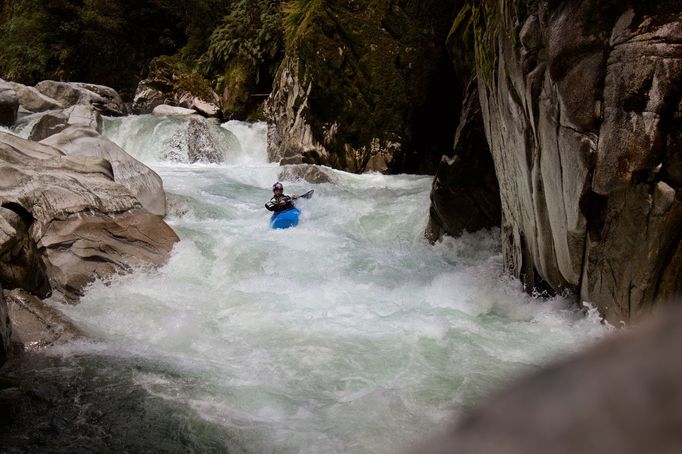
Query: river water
x=346, y=334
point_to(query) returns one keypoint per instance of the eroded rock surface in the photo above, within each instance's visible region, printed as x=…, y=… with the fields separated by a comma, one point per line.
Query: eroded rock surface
x=106, y=100
x=145, y=184
x=581, y=110
x=84, y=224
x=33, y=100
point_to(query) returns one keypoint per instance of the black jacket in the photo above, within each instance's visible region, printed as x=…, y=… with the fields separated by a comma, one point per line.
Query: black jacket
x=274, y=203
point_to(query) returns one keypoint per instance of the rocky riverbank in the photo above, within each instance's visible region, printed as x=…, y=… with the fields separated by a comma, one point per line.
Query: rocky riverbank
x=74, y=207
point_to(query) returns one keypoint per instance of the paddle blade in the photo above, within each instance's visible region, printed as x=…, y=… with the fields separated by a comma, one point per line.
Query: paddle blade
x=307, y=195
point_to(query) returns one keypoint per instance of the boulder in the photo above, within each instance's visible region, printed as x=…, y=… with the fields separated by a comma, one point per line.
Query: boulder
x=35, y=325
x=140, y=180
x=362, y=87
x=200, y=140
x=306, y=172
x=83, y=223
x=623, y=396
x=104, y=99
x=165, y=109
x=33, y=100
x=9, y=104
x=170, y=82
x=581, y=114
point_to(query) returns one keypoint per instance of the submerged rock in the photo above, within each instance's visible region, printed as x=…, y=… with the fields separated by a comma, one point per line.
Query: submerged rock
x=306, y=172
x=84, y=224
x=35, y=325
x=623, y=396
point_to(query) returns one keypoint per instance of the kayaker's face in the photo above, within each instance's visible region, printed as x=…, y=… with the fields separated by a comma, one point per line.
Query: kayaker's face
x=277, y=191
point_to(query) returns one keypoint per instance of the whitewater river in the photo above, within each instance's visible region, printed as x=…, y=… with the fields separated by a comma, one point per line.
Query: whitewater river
x=347, y=334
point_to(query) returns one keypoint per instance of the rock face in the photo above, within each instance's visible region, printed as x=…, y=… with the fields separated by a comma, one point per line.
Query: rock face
x=140, y=180
x=581, y=109
x=357, y=85
x=199, y=140
x=465, y=195
x=9, y=104
x=623, y=396
x=170, y=82
x=83, y=223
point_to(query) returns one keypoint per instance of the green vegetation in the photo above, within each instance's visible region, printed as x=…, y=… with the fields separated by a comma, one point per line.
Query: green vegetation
x=112, y=42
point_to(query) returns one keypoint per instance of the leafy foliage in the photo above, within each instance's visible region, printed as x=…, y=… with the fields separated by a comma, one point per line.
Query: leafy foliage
x=251, y=35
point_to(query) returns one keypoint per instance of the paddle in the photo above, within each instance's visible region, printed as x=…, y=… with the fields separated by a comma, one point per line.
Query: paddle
x=307, y=195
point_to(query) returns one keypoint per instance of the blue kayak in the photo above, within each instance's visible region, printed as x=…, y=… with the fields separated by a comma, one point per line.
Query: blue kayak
x=285, y=219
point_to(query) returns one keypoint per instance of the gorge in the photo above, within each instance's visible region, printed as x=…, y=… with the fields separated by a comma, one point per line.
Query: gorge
x=496, y=184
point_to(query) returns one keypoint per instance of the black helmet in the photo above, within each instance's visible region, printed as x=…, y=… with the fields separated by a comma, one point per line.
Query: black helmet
x=278, y=185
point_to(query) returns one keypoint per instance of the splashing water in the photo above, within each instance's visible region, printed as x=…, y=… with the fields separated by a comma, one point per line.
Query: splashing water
x=349, y=333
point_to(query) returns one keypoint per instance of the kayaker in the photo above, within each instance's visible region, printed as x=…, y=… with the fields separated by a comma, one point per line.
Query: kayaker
x=280, y=201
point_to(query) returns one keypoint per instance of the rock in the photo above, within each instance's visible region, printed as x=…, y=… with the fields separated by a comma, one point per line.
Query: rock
x=34, y=101
x=170, y=82
x=306, y=172
x=165, y=109
x=35, y=325
x=5, y=330
x=579, y=114
x=359, y=86
x=49, y=124
x=622, y=396
x=9, y=104
x=83, y=223
x=465, y=195
x=21, y=265
x=84, y=116
x=104, y=99
x=202, y=145
x=141, y=181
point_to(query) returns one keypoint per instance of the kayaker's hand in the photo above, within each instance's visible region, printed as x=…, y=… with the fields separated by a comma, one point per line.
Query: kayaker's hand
x=295, y=196
x=282, y=202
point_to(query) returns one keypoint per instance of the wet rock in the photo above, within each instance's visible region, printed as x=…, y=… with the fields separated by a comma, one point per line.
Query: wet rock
x=580, y=115
x=36, y=325
x=165, y=109
x=306, y=172
x=623, y=396
x=33, y=100
x=200, y=140
x=106, y=100
x=9, y=104
x=84, y=224
x=465, y=195
x=140, y=180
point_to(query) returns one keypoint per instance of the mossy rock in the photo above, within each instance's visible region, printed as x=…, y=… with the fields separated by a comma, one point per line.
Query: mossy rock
x=370, y=65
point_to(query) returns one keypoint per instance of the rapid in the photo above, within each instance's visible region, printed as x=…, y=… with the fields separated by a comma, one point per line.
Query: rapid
x=349, y=333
